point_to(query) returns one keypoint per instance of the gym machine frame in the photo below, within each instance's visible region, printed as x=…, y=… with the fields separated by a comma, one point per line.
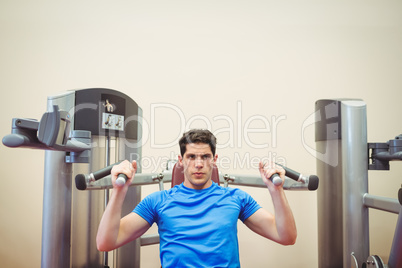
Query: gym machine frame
x=77, y=129
x=72, y=131
x=293, y=181
x=343, y=159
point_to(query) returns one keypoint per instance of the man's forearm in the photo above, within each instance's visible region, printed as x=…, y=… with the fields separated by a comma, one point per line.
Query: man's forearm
x=108, y=230
x=284, y=219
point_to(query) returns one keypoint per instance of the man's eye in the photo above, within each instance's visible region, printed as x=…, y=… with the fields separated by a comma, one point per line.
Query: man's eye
x=206, y=157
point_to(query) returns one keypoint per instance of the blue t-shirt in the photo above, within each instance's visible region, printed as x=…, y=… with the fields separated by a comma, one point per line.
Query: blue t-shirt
x=198, y=228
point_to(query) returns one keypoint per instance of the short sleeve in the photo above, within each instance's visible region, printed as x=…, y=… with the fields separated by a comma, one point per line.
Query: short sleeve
x=248, y=207
x=147, y=207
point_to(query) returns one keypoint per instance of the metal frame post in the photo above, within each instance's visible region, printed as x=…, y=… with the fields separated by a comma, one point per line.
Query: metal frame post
x=70, y=217
x=355, y=182
x=129, y=255
x=341, y=140
x=56, y=218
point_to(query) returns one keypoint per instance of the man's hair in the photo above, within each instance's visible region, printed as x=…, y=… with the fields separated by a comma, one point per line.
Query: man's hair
x=197, y=136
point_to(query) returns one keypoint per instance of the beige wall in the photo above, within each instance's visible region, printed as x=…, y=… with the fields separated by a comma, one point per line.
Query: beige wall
x=273, y=59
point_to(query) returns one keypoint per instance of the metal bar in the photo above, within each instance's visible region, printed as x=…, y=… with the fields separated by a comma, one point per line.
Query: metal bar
x=56, y=222
x=256, y=181
x=354, y=181
x=151, y=239
x=382, y=203
x=327, y=121
x=386, y=156
x=87, y=211
x=107, y=161
x=152, y=178
x=139, y=179
x=395, y=256
x=329, y=204
x=57, y=197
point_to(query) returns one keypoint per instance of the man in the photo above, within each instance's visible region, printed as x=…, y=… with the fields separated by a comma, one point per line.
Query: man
x=197, y=220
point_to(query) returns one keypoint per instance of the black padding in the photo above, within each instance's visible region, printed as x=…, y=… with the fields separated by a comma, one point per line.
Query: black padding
x=313, y=183
x=400, y=196
x=80, y=182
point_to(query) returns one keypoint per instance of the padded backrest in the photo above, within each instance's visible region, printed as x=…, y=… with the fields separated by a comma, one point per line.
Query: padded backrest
x=178, y=175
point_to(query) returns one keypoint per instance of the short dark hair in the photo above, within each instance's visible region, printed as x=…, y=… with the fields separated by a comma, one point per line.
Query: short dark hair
x=197, y=136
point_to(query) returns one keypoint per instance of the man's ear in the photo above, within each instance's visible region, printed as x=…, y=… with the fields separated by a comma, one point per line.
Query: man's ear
x=215, y=158
x=180, y=160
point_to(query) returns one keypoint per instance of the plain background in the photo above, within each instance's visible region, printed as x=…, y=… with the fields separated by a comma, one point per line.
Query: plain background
x=211, y=61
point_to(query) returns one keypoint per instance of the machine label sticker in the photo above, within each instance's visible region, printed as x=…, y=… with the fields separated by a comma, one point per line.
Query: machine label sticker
x=113, y=112
x=112, y=121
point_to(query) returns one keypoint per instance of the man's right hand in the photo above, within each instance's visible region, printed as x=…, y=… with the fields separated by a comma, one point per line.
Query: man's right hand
x=125, y=168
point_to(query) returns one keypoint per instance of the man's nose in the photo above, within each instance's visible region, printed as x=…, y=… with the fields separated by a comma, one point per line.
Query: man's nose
x=199, y=162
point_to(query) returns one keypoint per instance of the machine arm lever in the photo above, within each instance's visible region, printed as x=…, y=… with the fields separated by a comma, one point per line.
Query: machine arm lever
x=311, y=180
x=81, y=180
x=50, y=133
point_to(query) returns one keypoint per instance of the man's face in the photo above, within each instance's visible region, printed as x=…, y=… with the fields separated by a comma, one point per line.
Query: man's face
x=197, y=163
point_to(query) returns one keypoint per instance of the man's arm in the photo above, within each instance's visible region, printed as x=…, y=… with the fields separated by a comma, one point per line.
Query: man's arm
x=113, y=231
x=280, y=227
